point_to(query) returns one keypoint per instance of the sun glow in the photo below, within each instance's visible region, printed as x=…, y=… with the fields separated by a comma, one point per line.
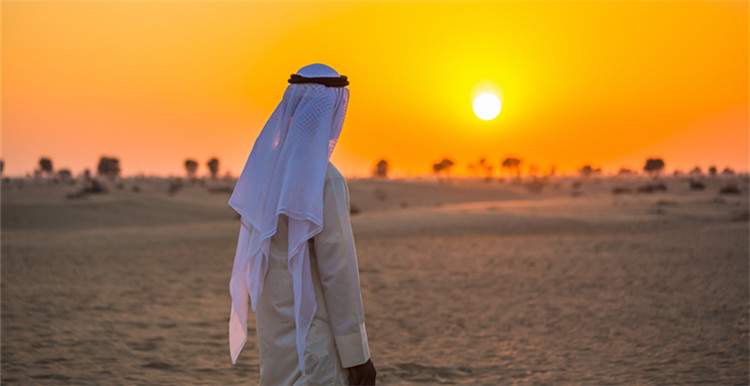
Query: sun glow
x=487, y=106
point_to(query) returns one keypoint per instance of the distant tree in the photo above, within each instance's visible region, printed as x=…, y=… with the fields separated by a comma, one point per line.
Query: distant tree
x=712, y=171
x=2, y=167
x=213, y=166
x=512, y=164
x=65, y=174
x=624, y=172
x=108, y=166
x=381, y=169
x=45, y=165
x=191, y=166
x=696, y=171
x=586, y=170
x=653, y=166
x=486, y=168
x=443, y=167
x=727, y=171
x=552, y=170
x=533, y=169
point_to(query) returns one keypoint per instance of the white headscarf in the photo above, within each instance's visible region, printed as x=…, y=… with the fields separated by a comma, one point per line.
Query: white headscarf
x=285, y=174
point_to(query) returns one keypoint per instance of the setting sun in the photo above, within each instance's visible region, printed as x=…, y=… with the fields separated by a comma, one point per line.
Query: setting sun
x=487, y=106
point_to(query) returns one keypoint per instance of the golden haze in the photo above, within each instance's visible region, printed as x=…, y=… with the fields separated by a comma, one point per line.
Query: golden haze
x=602, y=82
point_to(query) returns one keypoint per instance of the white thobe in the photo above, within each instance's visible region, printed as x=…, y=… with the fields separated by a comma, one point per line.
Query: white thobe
x=337, y=338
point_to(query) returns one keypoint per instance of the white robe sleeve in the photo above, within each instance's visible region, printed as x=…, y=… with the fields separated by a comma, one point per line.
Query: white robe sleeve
x=339, y=275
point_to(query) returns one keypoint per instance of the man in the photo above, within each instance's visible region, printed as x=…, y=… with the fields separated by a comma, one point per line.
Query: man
x=295, y=255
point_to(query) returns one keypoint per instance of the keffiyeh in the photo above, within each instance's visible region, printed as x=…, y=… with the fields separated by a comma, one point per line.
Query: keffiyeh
x=285, y=174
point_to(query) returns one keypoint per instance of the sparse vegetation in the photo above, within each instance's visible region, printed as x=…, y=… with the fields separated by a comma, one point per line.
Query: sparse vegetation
x=174, y=186
x=191, y=167
x=730, y=188
x=486, y=168
x=213, y=167
x=624, y=172
x=697, y=185
x=651, y=188
x=381, y=169
x=621, y=190
x=512, y=164
x=109, y=167
x=65, y=175
x=45, y=165
x=653, y=166
x=443, y=167
x=90, y=186
x=535, y=185
x=587, y=171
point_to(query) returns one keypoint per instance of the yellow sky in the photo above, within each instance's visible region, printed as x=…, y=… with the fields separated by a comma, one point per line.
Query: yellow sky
x=602, y=82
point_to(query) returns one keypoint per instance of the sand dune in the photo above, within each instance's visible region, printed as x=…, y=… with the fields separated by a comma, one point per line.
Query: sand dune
x=463, y=283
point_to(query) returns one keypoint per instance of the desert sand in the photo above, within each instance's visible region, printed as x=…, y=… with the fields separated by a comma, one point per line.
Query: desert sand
x=463, y=282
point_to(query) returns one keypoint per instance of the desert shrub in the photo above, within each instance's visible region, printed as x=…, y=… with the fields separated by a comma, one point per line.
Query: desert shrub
x=621, y=190
x=587, y=171
x=697, y=185
x=65, y=174
x=730, y=188
x=624, y=172
x=651, y=188
x=91, y=186
x=381, y=169
x=174, y=187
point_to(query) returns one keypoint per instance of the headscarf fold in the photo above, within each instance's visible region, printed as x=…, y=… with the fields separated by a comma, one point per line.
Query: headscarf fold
x=285, y=174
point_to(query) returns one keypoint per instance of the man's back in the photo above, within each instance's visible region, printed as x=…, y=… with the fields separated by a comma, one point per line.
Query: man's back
x=334, y=340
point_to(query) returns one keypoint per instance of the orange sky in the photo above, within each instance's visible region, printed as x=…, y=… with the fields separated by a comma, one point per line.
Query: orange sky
x=605, y=82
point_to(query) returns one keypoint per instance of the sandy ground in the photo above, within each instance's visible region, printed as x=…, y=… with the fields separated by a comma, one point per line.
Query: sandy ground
x=467, y=282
